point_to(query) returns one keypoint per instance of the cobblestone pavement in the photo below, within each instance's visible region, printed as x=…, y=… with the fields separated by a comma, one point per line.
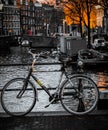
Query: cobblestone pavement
x=55, y=123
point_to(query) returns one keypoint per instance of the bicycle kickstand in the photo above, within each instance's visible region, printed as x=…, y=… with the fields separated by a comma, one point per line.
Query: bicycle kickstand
x=50, y=103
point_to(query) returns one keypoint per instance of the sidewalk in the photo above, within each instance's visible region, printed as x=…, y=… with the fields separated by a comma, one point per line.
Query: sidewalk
x=55, y=123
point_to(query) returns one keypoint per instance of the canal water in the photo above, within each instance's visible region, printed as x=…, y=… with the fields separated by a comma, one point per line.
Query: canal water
x=46, y=73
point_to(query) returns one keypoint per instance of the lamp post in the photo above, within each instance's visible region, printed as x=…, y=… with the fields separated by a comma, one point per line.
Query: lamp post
x=64, y=21
x=88, y=5
x=1, y=6
x=21, y=2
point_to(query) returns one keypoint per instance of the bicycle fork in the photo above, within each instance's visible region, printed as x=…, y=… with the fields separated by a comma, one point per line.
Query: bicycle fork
x=23, y=89
x=24, y=85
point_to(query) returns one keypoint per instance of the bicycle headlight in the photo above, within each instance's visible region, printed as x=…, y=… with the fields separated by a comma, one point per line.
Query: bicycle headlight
x=80, y=63
x=103, y=44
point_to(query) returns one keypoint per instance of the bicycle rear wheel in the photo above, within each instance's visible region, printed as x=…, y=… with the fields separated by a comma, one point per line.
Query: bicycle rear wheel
x=79, y=95
x=14, y=105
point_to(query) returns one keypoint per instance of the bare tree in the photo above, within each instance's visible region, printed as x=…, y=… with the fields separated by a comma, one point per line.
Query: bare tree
x=81, y=9
x=75, y=12
x=88, y=5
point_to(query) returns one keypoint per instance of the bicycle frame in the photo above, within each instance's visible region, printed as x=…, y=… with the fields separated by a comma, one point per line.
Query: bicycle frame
x=30, y=74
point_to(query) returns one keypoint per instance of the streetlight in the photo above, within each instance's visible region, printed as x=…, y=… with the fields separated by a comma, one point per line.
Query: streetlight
x=64, y=21
x=1, y=6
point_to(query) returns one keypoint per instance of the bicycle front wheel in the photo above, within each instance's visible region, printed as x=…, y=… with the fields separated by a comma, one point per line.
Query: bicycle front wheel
x=14, y=105
x=79, y=95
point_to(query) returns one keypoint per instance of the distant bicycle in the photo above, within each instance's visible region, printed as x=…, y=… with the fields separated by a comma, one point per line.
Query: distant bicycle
x=78, y=93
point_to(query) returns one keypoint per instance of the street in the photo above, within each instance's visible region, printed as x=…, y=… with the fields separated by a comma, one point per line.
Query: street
x=55, y=123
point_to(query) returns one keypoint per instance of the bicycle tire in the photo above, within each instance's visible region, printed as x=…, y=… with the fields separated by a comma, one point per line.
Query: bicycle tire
x=84, y=100
x=18, y=106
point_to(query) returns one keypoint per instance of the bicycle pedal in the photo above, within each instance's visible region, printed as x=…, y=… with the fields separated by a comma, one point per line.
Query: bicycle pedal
x=47, y=106
x=50, y=103
x=55, y=101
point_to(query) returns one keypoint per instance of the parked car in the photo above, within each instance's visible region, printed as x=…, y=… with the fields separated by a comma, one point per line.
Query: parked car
x=100, y=44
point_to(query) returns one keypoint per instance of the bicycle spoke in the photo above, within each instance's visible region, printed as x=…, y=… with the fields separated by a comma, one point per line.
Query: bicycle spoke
x=17, y=101
x=81, y=99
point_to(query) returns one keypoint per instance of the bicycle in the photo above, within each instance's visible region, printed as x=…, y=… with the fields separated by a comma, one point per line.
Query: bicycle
x=78, y=93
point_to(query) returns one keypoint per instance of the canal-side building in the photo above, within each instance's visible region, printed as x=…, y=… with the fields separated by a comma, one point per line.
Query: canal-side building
x=105, y=22
x=42, y=19
x=102, y=20
x=100, y=14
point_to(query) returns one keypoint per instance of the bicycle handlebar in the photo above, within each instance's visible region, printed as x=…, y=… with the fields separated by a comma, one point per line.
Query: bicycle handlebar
x=37, y=55
x=65, y=61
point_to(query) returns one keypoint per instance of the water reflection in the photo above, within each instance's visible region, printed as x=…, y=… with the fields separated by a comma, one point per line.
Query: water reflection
x=102, y=82
x=51, y=80
x=101, y=79
x=99, y=75
x=9, y=72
